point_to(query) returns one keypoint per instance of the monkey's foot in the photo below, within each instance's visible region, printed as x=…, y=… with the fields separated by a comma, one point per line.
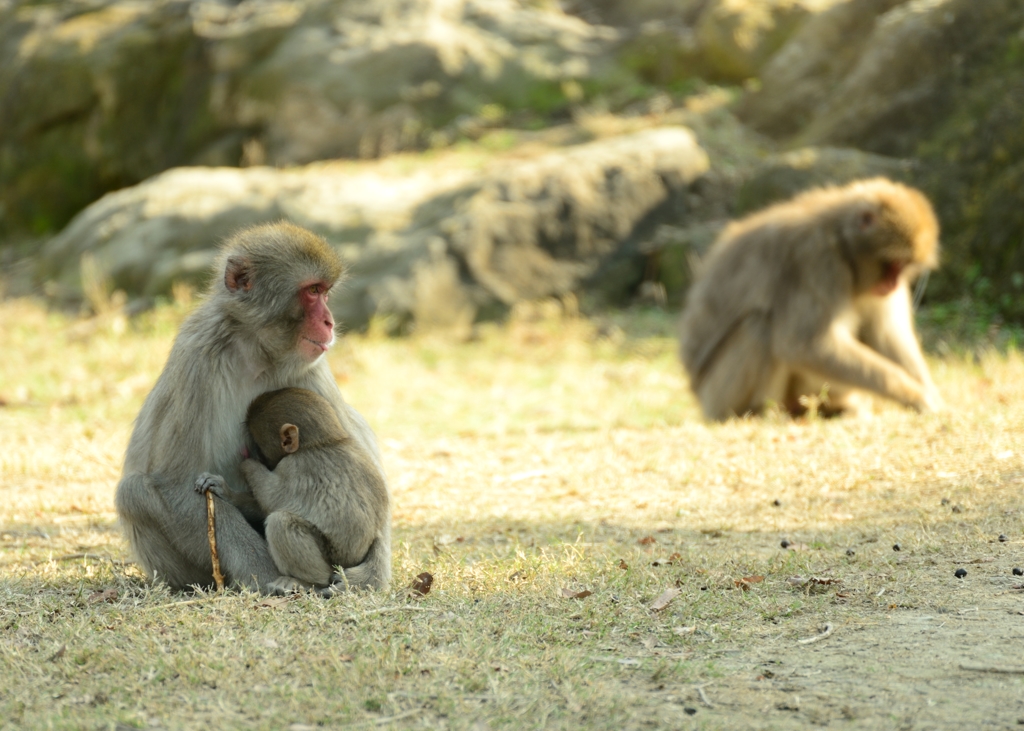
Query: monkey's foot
x=339, y=585
x=285, y=585
x=208, y=482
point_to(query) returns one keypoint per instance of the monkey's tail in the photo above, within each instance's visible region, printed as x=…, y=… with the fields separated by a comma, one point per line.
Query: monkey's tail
x=375, y=570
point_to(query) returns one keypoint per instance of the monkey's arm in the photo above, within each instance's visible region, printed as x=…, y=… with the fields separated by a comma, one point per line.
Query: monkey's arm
x=836, y=355
x=889, y=329
x=266, y=486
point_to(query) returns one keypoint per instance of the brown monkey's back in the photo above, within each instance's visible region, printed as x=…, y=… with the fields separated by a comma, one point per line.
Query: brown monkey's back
x=760, y=258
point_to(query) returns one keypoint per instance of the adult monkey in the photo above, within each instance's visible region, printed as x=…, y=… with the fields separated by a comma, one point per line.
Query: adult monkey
x=813, y=292
x=264, y=325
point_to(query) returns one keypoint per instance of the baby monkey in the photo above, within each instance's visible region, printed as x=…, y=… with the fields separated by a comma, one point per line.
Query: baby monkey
x=325, y=500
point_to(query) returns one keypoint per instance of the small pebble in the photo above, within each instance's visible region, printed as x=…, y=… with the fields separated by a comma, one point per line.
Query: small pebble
x=957, y=509
x=689, y=711
x=896, y=547
x=785, y=543
x=1003, y=538
x=960, y=573
x=945, y=501
x=850, y=552
x=1018, y=572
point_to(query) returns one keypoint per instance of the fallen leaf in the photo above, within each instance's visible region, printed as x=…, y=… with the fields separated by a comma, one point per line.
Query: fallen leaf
x=623, y=565
x=647, y=540
x=106, y=595
x=813, y=581
x=573, y=594
x=661, y=562
x=422, y=583
x=665, y=599
x=747, y=581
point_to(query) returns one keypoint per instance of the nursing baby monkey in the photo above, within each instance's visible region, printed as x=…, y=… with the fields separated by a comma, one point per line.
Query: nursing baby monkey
x=325, y=501
x=812, y=296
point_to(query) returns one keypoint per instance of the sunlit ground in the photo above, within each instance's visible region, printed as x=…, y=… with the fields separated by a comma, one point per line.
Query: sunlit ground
x=549, y=455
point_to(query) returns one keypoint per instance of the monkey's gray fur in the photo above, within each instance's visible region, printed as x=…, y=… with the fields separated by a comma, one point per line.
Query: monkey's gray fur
x=253, y=333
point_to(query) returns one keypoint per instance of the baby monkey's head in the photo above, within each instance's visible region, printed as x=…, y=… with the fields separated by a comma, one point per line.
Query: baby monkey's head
x=276, y=419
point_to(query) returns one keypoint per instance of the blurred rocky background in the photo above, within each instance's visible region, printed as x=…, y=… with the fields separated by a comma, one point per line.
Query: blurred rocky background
x=465, y=155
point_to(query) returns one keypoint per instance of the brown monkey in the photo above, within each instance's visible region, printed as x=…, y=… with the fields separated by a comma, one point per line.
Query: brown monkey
x=813, y=294
x=325, y=498
x=264, y=325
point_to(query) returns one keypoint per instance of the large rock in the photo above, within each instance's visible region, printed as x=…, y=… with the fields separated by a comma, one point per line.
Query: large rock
x=440, y=242
x=798, y=79
x=101, y=94
x=736, y=37
x=94, y=96
x=361, y=79
x=891, y=81
x=787, y=174
x=671, y=43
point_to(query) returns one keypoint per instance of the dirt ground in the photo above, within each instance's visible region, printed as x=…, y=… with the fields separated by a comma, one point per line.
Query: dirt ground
x=543, y=460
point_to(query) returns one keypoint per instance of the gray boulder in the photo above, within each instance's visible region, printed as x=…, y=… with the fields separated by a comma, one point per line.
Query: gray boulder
x=785, y=175
x=439, y=243
x=736, y=37
x=804, y=73
x=99, y=94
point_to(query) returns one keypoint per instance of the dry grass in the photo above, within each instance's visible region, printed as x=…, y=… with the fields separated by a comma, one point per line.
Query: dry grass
x=550, y=453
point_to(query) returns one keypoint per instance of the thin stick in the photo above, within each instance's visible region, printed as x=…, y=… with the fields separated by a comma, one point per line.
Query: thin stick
x=1002, y=669
x=212, y=535
x=396, y=717
x=93, y=556
x=703, y=697
x=189, y=602
x=825, y=633
x=386, y=610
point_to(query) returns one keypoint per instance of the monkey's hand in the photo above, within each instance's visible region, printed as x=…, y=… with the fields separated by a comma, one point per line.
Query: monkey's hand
x=216, y=484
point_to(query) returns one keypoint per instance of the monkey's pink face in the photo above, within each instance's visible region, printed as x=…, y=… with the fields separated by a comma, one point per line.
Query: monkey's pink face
x=317, y=332
x=890, y=278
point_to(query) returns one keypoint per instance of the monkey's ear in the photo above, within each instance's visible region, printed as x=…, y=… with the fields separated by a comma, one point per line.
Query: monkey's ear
x=289, y=438
x=238, y=274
